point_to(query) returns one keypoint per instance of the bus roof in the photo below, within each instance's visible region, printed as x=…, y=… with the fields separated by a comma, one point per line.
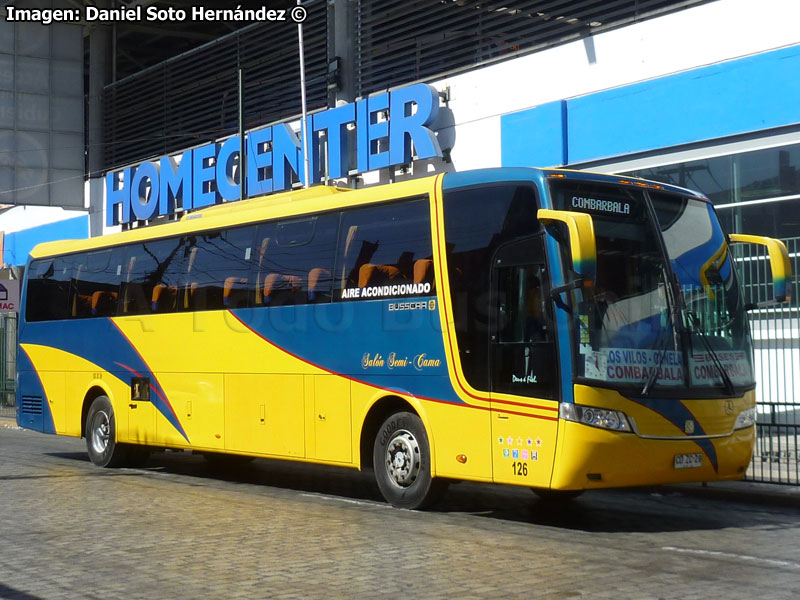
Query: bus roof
x=324, y=198
x=482, y=176
x=286, y=204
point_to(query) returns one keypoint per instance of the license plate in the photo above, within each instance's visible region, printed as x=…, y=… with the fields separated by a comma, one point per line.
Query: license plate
x=688, y=461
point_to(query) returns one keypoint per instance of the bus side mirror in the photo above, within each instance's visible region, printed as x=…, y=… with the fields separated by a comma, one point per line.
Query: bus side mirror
x=778, y=261
x=582, y=245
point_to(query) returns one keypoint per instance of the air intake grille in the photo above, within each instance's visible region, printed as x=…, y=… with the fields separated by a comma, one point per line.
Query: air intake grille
x=31, y=405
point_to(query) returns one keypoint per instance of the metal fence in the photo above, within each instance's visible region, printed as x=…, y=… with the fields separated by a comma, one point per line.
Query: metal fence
x=8, y=356
x=776, y=337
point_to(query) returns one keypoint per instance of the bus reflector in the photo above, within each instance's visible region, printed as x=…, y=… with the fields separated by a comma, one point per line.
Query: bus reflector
x=462, y=458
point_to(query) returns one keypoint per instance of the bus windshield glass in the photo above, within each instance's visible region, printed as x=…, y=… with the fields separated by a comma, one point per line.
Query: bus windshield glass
x=665, y=312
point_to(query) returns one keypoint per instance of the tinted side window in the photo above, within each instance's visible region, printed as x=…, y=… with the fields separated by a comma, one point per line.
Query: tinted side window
x=96, y=283
x=294, y=260
x=48, y=294
x=477, y=221
x=152, y=276
x=218, y=270
x=384, y=251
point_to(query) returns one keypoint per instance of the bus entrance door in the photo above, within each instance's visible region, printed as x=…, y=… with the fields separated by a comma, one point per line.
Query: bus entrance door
x=523, y=366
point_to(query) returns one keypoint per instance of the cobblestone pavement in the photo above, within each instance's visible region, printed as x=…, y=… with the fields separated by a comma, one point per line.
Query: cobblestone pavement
x=177, y=529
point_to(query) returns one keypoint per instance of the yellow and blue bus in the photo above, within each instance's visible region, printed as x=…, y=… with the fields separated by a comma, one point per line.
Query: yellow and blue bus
x=554, y=329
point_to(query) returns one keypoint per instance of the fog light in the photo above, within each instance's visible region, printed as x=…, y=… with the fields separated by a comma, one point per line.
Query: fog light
x=745, y=419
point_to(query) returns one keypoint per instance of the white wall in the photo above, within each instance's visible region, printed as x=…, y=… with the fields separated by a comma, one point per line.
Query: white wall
x=696, y=37
x=20, y=218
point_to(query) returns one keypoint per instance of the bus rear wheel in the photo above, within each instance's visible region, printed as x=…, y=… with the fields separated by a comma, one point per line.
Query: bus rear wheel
x=101, y=435
x=402, y=459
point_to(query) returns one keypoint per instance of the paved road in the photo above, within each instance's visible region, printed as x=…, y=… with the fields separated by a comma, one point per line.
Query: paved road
x=177, y=529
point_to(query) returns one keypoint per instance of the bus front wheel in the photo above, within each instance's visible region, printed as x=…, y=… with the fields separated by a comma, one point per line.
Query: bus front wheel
x=402, y=459
x=101, y=435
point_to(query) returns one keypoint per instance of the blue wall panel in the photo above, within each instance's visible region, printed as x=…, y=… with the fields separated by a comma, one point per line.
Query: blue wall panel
x=18, y=245
x=738, y=96
x=535, y=137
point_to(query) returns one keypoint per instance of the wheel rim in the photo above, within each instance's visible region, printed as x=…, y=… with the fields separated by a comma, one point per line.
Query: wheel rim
x=403, y=462
x=101, y=431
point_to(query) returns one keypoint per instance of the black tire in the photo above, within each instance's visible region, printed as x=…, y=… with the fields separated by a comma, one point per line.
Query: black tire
x=101, y=435
x=402, y=459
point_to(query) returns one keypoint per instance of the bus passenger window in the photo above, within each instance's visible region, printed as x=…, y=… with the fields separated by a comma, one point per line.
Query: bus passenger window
x=295, y=260
x=384, y=245
x=97, y=283
x=149, y=265
x=319, y=285
x=48, y=289
x=217, y=270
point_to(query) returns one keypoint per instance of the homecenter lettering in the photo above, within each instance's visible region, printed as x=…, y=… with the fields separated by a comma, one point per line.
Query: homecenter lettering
x=210, y=175
x=610, y=206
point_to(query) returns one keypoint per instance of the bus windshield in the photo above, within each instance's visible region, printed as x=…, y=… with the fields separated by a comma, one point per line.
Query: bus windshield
x=665, y=312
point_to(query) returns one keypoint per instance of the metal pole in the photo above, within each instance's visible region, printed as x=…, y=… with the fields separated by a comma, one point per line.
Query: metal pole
x=303, y=131
x=242, y=141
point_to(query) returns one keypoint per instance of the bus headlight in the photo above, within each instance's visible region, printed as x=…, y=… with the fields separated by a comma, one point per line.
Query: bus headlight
x=595, y=417
x=746, y=418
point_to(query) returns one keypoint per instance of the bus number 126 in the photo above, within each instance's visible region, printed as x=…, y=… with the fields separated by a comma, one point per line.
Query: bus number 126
x=520, y=468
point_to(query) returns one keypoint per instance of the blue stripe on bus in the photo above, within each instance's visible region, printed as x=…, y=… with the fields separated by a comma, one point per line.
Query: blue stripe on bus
x=30, y=382
x=360, y=340
x=90, y=339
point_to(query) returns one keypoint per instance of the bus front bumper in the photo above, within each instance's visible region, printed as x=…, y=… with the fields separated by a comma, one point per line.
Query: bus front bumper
x=589, y=457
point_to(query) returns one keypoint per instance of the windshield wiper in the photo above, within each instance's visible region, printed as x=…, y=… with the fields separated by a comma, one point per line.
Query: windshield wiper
x=669, y=332
x=726, y=380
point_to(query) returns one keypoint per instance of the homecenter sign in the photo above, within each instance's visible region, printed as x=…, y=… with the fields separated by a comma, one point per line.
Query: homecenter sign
x=204, y=176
